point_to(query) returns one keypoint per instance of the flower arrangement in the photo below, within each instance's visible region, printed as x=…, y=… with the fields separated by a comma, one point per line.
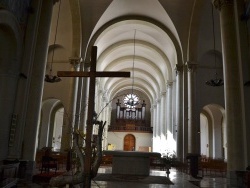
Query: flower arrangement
x=169, y=158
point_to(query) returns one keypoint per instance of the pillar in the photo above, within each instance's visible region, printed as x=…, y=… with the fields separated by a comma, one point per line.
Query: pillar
x=169, y=108
x=84, y=101
x=143, y=110
x=233, y=85
x=154, y=123
x=171, y=144
x=75, y=62
x=179, y=113
x=163, y=124
x=192, y=126
x=36, y=78
x=70, y=109
x=11, y=84
x=157, y=128
x=105, y=117
x=118, y=107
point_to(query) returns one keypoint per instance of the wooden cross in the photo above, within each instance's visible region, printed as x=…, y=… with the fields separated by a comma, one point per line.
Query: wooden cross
x=92, y=75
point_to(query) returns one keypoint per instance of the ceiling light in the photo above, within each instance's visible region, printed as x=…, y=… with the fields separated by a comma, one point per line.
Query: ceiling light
x=50, y=77
x=214, y=81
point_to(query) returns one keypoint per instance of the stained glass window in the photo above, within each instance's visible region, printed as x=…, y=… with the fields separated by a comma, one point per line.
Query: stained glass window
x=131, y=100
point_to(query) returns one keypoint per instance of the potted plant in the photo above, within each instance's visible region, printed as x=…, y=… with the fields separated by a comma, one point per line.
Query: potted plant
x=168, y=160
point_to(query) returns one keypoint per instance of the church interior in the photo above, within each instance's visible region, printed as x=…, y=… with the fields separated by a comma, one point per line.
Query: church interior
x=166, y=77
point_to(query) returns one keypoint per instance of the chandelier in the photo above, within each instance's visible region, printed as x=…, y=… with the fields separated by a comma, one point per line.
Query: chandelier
x=214, y=81
x=50, y=77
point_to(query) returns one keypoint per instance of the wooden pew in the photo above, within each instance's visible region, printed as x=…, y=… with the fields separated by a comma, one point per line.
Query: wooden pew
x=59, y=157
x=8, y=175
x=214, y=167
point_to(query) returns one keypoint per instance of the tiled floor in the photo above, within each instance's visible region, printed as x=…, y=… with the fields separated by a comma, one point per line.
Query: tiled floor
x=179, y=179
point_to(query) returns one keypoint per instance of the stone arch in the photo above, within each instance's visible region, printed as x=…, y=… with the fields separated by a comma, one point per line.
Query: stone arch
x=10, y=73
x=76, y=28
x=206, y=141
x=47, y=125
x=215, y=116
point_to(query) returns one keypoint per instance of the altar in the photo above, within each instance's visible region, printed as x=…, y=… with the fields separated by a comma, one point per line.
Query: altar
x=131, y=162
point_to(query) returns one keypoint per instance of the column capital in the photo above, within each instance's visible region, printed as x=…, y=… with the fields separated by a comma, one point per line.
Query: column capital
x=169, y=84
x=75, y=62
x=158, y=100
x=86, y=65
x=218, y=4
x=100, y=91
x=163, y=93
x=104, y=93
x=55, y=1
x=97, y=82
x=105, y=100
x=191, y=66
x=178, y=69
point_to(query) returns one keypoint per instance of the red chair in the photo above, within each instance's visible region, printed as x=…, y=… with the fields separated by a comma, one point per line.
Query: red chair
x=48, y=163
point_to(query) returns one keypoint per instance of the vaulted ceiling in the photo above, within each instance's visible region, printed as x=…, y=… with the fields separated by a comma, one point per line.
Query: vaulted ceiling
x=145, y=37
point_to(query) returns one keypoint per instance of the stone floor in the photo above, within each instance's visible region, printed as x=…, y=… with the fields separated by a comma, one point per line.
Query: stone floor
x=179, y=179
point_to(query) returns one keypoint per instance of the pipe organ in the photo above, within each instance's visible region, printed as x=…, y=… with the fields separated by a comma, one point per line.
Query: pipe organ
x=136, y=113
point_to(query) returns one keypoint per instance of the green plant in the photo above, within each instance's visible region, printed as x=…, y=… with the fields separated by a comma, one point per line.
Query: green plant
x=169, y=158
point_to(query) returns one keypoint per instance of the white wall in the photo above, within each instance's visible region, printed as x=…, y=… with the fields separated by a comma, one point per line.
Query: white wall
x=117, y=138
x=204, y=136
x=57, y=134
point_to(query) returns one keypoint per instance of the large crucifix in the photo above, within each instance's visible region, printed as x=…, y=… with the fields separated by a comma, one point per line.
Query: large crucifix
x=92, y=75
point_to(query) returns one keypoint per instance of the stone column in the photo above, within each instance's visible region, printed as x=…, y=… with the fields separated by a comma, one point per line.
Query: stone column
x=169, y=108
x=84, y=102
x=163, y=124
x=233, y=84
x=192, y=127
x=105, y=131
x=152, y=118
x=70, y=110
x=99, y=94
x=12, y=85
x=158, y=125
x=104, y=118
x=154, y=124
x=179, y=112
x=163, y=114
x=36, y=78
x=118, y=107
x=170, y=139
x=75, y=62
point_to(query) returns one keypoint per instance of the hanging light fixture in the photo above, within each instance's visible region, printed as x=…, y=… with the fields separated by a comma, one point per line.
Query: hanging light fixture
x=215, y=81
x=50, y=77
x=131, y=100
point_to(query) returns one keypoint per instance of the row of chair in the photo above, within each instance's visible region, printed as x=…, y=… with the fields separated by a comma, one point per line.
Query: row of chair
x=210, y=166
x=47, y=160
